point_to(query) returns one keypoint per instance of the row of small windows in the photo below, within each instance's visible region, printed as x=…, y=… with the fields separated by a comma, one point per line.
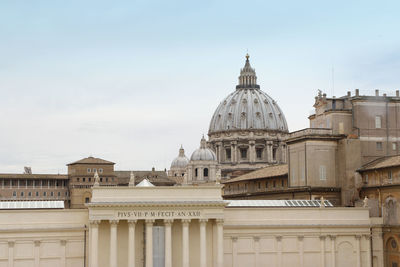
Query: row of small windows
x=205, y=172
x=89, y=170
x=379, y=146
x=37, y=194
x=259, y=185
x=43, y=183
x=243, y=153
x=90, y=179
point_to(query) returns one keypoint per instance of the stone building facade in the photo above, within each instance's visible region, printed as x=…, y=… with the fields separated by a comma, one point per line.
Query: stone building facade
x=247, y=128
x=182, y=226
x=381, y=185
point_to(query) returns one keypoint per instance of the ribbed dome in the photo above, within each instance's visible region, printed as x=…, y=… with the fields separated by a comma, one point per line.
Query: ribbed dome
x=203, y=153
x=248, y=107
x=181, y=161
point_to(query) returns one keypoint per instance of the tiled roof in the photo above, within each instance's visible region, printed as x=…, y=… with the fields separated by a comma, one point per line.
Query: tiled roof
x=267, y=172
x=92, y=160
x=155, y=177
x=384, y=162
x=32, y=176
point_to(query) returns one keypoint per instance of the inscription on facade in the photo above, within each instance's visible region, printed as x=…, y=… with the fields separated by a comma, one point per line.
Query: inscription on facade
x=158, y=214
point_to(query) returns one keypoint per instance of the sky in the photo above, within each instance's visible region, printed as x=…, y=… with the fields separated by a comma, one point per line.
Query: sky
x=130, y=81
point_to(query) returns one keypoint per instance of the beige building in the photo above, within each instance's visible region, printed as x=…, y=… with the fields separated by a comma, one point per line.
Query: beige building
x=381, y=184
x=189, y=226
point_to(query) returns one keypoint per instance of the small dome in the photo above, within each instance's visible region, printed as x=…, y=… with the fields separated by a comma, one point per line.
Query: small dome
x=203, y=153
x=180, y=161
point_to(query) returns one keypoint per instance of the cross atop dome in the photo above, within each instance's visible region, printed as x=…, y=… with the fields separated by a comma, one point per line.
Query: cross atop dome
x=247, y=78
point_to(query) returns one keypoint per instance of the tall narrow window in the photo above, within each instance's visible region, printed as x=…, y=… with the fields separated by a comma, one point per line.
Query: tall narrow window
x=259, y=153
x=228, y=154
x=379, y=146
x=394, y=146
x=322, y=172
x=274, y=153
x=243, y=153
x=378, y=123
x=205, y=172
x=195, y=172
x=390, y=176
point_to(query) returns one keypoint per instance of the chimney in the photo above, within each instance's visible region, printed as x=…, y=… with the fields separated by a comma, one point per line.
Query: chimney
x=376, y=92
x=348, y=93
x=357, y=92
x=397, y=93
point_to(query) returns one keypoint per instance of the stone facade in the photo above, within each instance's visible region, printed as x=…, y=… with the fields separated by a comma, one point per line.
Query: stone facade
x=187, y=226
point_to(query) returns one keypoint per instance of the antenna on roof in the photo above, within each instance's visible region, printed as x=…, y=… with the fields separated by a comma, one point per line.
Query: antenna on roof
x=333, y=80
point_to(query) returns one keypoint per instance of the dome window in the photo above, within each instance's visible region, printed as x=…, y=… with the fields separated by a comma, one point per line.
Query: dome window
x=195, y=172
x=243, y=114
x=205, y=172
x=256, y=101
x=258, y=114
x=244, y=100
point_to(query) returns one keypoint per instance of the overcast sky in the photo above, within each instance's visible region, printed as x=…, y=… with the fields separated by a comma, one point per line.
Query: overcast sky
x=130, y=81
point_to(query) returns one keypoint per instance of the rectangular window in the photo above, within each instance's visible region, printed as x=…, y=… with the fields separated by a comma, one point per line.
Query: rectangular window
x=77, y=179
x=379, y=146
x=259, y=153
x=259, y=185
x=366, y=179
x=89, y=170
x=274, y=153
x=243, y=153
x=90, y=179
x=86, y=200
x=390, y=177
x=14, y=194
x=100, y=170
x=52, y=194
x=378, y=123
x=29, y=194
x=274, y=184
x=322, y=172
x=283, y=183
x=228, y=153
x=22, y=194
x=394, y=146
x=37, y=193
x=94, y=170
x=83, y=179
x=44, y=193
x=59, y=194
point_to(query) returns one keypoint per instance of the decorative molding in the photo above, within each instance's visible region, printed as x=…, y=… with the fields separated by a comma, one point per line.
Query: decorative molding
x=11, y=244
x=168, y=222
x=256, y=238
x=132, y=222
x=219, y=221
x=37, y=243
x=63, y=242
x=150, y=221
x=113, y=222
x=185, y=221
x=203, y=220
x=322, y=237
x=278, y=238
x=332, y=237
x=234, y=238
x=94, y=222
x=300, y=237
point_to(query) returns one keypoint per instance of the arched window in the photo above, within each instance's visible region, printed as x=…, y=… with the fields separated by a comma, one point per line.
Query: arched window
x=205, y=172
